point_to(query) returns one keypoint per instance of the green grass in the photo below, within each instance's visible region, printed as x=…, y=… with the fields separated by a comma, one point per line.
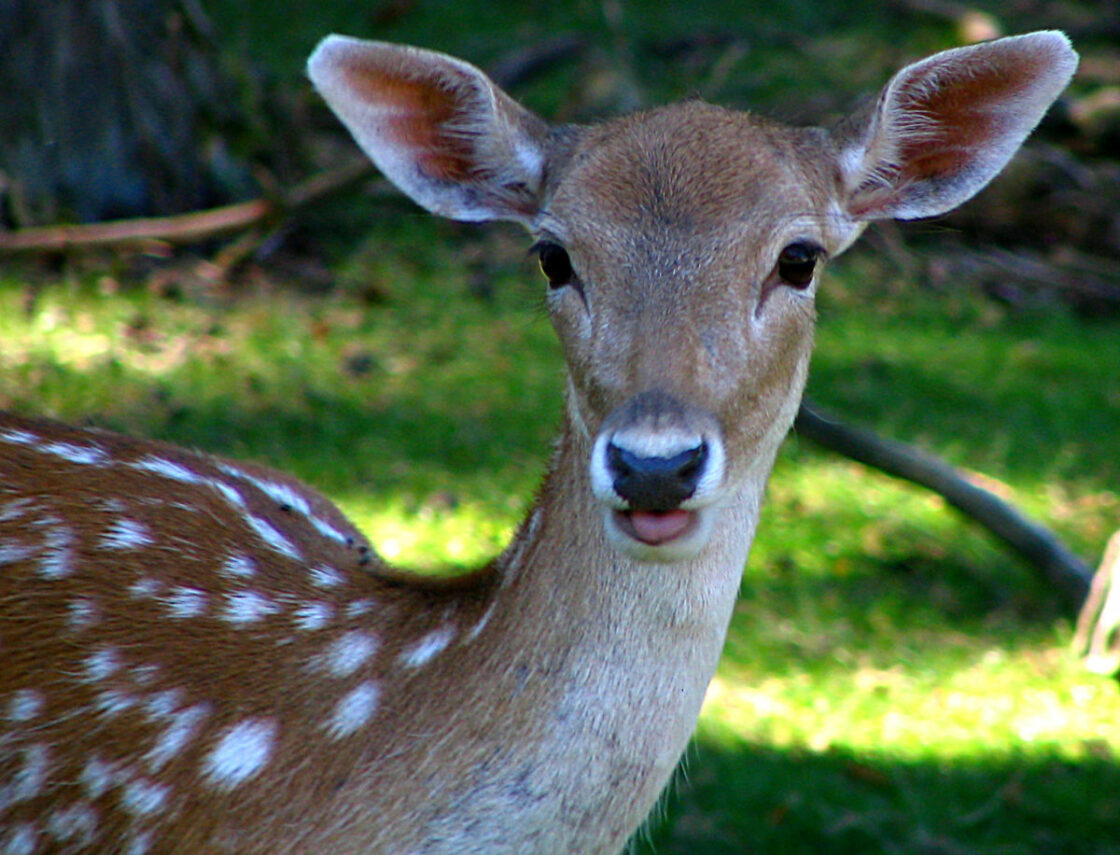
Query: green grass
x=894, y=681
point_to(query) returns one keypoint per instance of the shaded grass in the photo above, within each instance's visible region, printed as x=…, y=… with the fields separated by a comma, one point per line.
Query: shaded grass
x=837, y=801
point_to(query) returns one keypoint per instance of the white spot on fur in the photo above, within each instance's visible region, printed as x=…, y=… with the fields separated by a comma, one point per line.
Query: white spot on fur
x=83, y=613
x=181, y=729
x=125, y=534
x=22, y=840
x=312, y=616
x=97, y=777
x=112, y=505
x=325, y=577
x=227, y=492
x=328, y=531
x=348, y=653
x=163, y=704
x=282, y=494
x=140, y=844
x=239, y=566
x=360, y=607
x=101, y=664
x=240, y=754
x=285, y=496
x=142, y=797
x=245, y=607
x=184, y=602
x=145, y=588
x=77, y=824
x=58, y=557
x=28, y=781
x=15, y=509
x=145, y=675
x=24, y=705
x=19, y=437
x=113, y=702
x=86, y=455
x=272, y=538
x=167, y=469
x=427, y=648
x=13, y=553
x=353, y=710
x=288, y=497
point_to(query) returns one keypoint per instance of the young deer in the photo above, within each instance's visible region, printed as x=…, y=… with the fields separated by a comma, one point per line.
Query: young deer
x=203, y=656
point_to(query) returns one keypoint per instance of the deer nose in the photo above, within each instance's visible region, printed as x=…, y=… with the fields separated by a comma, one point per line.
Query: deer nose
x=657, y=469
x=656, y=483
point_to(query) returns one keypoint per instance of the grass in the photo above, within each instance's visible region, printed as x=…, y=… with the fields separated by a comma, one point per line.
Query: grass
x=893, y=680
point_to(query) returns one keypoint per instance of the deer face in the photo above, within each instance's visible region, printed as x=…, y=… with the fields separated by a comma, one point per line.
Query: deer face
x=682, y=248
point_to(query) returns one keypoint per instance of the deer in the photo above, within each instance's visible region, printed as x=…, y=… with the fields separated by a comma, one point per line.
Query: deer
x=199, y=655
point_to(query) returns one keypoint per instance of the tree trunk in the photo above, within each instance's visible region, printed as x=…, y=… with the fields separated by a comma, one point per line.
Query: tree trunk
x=109, y=111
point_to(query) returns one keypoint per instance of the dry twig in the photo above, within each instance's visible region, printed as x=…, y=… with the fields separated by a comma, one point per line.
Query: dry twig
x=158, y=232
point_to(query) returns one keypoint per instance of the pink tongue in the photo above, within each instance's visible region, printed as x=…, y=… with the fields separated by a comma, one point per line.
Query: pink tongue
x=655, y=527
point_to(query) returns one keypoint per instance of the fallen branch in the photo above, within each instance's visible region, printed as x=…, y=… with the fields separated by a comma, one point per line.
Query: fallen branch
x=1038, y=546
x=158, y=232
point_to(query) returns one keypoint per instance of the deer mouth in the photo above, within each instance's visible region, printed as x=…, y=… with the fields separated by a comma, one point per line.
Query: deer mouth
x=657, y=472
x=656, y=528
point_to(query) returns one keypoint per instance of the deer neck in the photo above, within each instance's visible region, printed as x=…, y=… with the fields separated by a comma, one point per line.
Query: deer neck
x=615, y=653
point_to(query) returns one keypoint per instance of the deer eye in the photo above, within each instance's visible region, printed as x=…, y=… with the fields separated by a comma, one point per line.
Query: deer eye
x=798, y=262
x=555, y=264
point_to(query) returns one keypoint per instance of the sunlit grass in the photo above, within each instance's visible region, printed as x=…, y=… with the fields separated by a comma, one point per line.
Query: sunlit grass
x=435, y=537
x=964, y=702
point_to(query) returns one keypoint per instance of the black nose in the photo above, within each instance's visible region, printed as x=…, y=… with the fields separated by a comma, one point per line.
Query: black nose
x=656, y=483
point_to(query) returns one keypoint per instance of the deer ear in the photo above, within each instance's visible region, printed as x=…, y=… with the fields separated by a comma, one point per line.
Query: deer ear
x=437, y=127
x=945, y=126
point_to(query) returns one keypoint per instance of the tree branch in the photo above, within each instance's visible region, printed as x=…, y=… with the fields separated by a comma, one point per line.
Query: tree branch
x=1038, y=546
x=185, y=228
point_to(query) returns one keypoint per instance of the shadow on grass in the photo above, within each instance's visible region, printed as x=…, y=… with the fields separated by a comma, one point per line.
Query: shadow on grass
x=1047, y=404
x=743, y=798
x=340, y=443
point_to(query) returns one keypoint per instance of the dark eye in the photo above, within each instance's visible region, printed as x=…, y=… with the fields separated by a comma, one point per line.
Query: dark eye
x=798, y=262
x=555, y=264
